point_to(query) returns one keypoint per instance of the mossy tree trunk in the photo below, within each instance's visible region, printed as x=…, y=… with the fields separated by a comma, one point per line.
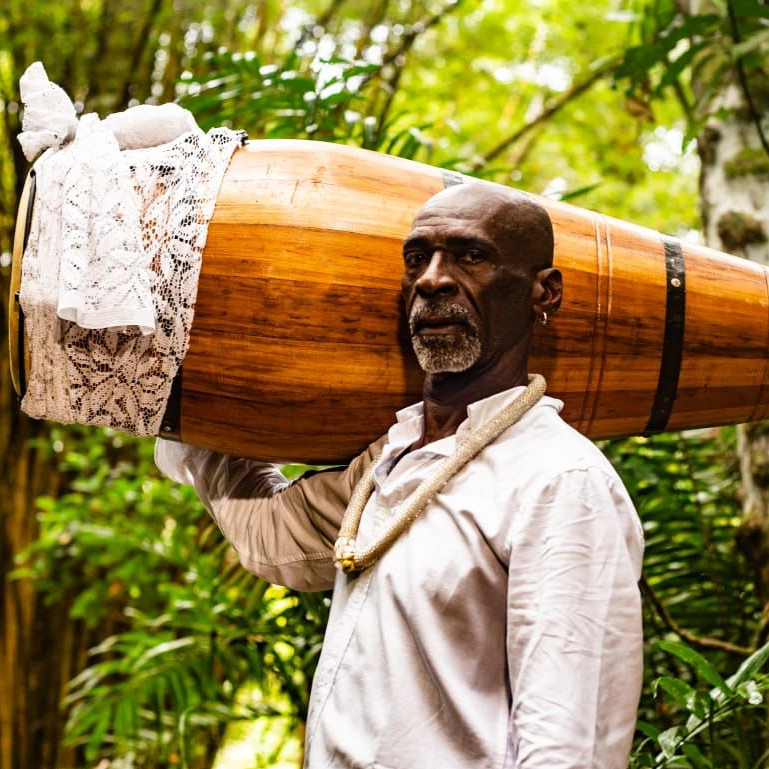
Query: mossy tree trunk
x=734, y=150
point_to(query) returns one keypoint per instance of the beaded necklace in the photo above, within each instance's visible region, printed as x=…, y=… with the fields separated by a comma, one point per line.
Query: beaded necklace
x=346, y=555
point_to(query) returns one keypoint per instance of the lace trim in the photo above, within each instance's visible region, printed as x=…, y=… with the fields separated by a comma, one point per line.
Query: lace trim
x=116, y=243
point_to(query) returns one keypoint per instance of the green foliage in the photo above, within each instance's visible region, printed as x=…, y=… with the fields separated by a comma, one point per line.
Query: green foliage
x=299, y=98
x=698, y=590
x=686, y=489
x=695, y=55
x=276, y=100
x=190, y=628
x=722, y=725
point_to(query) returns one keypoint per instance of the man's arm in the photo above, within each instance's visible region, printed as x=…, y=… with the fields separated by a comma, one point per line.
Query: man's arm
x=284, y=532
x=574, y=625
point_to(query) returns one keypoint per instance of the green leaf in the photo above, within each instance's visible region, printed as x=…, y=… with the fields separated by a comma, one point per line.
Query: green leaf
x=670, y=741
x=647, y=729
x=751, y=692
x=751, y=666
x=703, y=668
x=162, y=649
x=97, y=732
x=675, y=69
x=696, y=757
x=753, y=43
x=680, y=691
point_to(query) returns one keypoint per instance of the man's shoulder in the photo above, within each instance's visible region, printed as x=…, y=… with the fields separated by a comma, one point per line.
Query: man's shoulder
x=544, y=445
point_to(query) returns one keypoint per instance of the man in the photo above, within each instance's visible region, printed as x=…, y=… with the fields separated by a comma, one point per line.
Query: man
x=486, y=610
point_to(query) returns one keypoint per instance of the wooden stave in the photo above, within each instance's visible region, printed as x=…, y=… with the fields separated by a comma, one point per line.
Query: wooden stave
x=242, y=394
x=338, y=423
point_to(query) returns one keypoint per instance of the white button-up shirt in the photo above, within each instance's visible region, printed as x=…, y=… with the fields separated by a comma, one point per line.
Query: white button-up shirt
x=502, y=630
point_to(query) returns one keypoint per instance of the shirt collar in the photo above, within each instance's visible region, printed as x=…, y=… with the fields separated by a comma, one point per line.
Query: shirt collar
x=408, y=426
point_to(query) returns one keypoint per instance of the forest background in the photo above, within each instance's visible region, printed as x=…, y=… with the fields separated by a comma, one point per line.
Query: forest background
x=129, y=635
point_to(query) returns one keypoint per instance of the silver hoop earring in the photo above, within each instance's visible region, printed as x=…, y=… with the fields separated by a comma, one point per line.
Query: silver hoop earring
x=543, y=318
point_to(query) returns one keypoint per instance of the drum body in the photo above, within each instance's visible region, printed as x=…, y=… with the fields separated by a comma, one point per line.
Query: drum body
x=299, y=349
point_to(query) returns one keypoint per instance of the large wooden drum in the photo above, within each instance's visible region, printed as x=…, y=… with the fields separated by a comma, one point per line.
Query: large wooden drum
x=298, y=348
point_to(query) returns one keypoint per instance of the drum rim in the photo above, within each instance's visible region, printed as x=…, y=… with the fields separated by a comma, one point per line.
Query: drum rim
x=17, y=343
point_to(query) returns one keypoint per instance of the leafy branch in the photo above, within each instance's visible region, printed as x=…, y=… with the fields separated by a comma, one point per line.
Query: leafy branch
x=547, y=112
x=681, y=632
x=743, y=79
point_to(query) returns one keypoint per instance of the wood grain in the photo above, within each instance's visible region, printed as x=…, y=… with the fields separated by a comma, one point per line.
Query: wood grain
x=298, y=347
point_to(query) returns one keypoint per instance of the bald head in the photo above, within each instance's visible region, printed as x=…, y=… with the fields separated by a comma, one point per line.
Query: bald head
x=477, y=274
x=521, y=225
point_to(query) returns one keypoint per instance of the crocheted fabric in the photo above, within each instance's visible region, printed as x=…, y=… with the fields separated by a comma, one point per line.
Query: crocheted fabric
x=110, y=272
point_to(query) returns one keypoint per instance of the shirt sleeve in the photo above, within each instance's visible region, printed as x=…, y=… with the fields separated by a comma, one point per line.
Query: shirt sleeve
x=284, y=532
x=574, y=625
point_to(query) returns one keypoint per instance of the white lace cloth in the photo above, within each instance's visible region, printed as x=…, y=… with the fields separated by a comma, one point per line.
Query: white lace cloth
x=110, y=271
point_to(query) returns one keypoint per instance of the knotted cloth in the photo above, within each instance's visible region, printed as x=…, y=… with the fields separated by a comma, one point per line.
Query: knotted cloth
x=111, y=266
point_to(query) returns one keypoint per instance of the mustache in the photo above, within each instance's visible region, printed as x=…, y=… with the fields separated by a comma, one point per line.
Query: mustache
x=443, y=308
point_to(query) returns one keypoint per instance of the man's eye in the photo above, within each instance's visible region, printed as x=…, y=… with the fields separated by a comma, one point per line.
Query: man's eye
x=413, y=258
x=472, y=256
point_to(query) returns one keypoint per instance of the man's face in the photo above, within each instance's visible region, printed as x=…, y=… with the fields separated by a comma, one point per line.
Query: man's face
x=468, y=298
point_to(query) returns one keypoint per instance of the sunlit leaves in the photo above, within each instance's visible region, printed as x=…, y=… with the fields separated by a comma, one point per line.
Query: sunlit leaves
x=694, y=54
x=277, y=100
x=719, y=726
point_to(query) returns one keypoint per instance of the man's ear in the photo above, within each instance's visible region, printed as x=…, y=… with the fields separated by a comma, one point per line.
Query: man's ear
x=547, y=292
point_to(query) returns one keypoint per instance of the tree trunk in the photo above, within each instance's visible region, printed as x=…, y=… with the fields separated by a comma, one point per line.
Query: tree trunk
x=735, y=199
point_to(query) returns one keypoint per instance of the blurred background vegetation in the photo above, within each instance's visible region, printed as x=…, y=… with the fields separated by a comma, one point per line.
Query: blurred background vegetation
x=129, y=635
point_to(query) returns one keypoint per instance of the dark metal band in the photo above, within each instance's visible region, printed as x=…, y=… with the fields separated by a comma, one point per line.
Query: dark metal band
x=170, y=427
x=673, y=340
x=21, y=342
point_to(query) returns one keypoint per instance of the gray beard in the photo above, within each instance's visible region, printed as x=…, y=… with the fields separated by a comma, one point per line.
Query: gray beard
x=449, y=352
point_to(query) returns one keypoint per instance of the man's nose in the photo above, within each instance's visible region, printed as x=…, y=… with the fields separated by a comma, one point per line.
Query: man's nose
x=437, y=277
